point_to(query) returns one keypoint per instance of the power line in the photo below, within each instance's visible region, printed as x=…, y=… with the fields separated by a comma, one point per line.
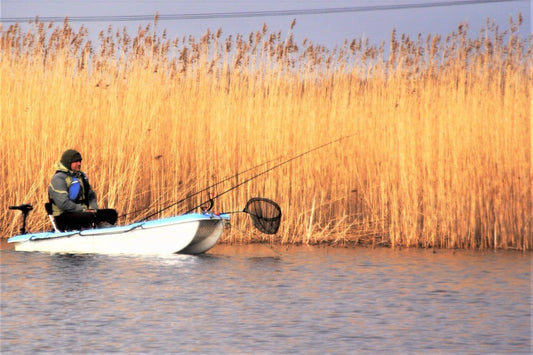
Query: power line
x=245, y=14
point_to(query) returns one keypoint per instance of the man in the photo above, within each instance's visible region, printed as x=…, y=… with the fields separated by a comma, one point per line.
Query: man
x=73, y=200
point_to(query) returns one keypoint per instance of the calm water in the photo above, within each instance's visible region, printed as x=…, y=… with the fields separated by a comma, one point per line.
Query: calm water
x=255, y=300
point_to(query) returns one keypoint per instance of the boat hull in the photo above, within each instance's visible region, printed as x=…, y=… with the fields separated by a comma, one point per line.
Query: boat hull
x=190, y=234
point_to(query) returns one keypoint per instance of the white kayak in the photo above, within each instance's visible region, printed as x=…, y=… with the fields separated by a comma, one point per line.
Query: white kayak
x=192, y=233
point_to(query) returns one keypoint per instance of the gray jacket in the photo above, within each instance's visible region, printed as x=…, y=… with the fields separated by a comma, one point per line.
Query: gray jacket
x=60, y=196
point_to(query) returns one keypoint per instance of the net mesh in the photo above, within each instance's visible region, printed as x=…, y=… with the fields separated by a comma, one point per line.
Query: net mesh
x=265, y=213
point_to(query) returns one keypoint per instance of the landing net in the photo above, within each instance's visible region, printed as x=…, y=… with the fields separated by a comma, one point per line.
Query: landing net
x=265, y=213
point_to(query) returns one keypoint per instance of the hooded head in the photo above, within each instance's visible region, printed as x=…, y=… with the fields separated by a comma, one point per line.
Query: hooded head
x=70, y=156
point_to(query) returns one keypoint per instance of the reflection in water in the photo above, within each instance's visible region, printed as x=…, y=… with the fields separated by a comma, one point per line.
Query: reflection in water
x=255, y=299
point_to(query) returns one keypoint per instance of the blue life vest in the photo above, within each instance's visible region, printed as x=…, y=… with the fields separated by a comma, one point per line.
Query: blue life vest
x=74, y=189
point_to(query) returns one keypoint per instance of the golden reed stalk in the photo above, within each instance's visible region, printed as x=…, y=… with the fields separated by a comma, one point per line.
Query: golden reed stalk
x=440, y=154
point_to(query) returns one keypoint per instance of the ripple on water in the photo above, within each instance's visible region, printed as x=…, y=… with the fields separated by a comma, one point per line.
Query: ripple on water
x=256, y=299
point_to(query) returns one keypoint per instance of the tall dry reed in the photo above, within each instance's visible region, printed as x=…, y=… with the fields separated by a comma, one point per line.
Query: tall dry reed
x=439, y=153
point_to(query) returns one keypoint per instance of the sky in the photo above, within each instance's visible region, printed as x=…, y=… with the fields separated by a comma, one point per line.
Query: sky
x=327, y=23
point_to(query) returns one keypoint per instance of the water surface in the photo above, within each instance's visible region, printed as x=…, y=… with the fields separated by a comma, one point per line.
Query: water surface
x=258, y=300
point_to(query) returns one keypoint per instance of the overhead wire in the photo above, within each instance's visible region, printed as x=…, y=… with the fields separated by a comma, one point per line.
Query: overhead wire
x=259, y=13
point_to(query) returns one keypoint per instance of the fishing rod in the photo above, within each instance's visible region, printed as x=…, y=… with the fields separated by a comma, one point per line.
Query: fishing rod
x=210, y=200
x=200, y=191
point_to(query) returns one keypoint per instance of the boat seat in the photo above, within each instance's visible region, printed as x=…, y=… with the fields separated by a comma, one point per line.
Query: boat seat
x=49, y=211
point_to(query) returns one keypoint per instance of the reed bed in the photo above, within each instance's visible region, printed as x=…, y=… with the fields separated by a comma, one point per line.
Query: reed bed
x=438, y=130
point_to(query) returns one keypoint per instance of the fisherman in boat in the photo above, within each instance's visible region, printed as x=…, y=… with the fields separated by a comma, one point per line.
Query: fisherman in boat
x=74, y=204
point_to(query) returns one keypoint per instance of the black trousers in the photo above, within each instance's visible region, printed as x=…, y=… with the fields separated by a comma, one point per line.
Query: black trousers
x=84, y=220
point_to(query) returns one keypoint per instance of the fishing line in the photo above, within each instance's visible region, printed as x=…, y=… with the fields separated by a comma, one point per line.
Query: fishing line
x=272, y=168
